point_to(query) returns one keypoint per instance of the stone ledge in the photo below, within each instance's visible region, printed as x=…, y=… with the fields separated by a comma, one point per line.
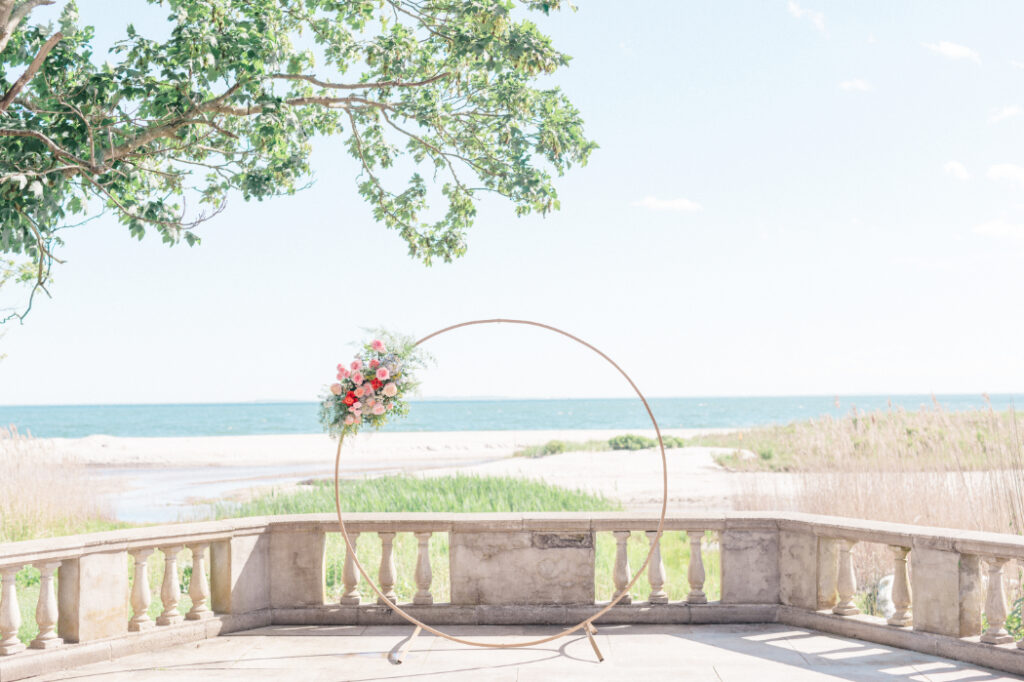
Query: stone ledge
x=35, y=662
x=1003, y=657
x=676, y=613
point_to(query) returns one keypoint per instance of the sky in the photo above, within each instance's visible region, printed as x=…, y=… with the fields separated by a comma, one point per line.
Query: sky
x=788, y=199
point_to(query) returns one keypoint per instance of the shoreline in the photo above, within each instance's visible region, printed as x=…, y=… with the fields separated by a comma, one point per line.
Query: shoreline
x=368, y=450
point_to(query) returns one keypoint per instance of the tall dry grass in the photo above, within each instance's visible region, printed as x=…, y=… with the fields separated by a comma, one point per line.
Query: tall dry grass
x=42, y=494
x=930, y=467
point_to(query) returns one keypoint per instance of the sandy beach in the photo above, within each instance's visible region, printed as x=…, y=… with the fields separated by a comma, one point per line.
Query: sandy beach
x=161, y=479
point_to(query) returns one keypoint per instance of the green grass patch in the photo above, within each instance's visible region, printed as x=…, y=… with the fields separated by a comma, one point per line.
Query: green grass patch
x=627, y=441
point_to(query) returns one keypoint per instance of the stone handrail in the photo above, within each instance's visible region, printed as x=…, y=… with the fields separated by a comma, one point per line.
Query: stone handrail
x=523, y=568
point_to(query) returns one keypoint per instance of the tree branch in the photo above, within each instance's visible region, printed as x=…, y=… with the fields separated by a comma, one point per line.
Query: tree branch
x=30, y=71
x=358, y=86
x=15, y=15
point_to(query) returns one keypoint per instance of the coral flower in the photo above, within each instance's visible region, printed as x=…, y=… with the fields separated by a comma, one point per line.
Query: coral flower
x=375, y=363
x=378, y=346
x=378, y=408
x=350, y=399
x=383, y=373
x=356, y=365
x=359, y=392
x=390, y=390
x=336, y=389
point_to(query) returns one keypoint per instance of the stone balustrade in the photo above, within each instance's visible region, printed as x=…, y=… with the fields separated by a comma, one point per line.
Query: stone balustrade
x=95, y=597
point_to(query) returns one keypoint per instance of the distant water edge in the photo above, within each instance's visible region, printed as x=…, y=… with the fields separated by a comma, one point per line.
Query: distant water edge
x=236, y=419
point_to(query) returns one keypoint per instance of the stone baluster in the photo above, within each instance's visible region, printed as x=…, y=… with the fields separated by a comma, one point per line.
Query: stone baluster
x=424, y=576
x=621, y=574
x=170, y=591
x=901, y=599
x=140, y=592
x=846, y=584
x=656, y=571
x=198, y=586
x=10, y=613
x=350, y=576
x=995, y=604
x=46, y=609
x=695, y=572
x=387, y=567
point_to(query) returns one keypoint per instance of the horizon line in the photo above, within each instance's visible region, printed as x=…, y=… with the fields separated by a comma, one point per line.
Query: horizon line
x=930, y=394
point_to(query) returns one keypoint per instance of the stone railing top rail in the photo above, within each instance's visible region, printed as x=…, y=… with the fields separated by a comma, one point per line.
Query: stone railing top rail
x=968, y=542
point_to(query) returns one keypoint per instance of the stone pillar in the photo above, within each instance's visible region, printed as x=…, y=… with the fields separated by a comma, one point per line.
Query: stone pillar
x=387, y=567
x=46, y=609
x=10, y=613
x=140, y=592
x=91, y=593
x=828, y=573
x=170, y=590
x=695, y=571
x=621, y=574
x=350, y=575
x=901, y=599
x=995, y=604
x=750, y=566
x=424, y=576
x=240, y=574
x=297, y=566
x=846, y=585
x=947, y=589
x=656, y=571
x=798, y=569
x=198, y=587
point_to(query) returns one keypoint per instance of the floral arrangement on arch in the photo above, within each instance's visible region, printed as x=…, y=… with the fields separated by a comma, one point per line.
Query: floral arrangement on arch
x=372, y=388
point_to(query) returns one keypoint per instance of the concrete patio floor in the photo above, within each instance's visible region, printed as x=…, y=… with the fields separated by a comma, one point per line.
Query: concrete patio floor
x=718, y=653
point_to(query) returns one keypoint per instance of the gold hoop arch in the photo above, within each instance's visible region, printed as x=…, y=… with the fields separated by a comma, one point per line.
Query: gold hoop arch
x=586, y=623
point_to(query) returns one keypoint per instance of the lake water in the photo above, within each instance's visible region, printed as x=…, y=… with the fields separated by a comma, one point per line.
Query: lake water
x=233, y=419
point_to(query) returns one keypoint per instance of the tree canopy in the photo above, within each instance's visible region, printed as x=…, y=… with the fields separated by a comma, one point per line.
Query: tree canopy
x=425, y=93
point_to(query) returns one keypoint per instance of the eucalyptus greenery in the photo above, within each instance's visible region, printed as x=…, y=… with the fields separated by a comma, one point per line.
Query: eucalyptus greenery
x=426, y=93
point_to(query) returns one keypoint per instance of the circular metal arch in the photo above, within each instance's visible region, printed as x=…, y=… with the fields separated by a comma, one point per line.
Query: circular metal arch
x=587, y=622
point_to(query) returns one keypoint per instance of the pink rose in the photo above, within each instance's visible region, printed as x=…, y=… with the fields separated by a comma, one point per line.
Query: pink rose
x=390, y=390
x=357, y=378
x=367, y=388
x=356, y=365
x=390, y=405
x=336, y=389
x=375, y=363
x=383, y=373
x=378, y=409
x=342, y=375
x=350, y=419
x=378, y=346
x=354, y=408
x=359, y=392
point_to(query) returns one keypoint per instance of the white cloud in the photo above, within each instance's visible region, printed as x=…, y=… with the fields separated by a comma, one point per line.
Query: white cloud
x=953, y=51
x=957, y=170
x=855, y=85
x=680, y=204
x=1001, y=229
x=1005, y=113
x=1007, y=171
x=817, y=19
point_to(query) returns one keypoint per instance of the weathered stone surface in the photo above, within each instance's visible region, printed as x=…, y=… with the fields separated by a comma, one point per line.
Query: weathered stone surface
x=798, y=568
x=750, y=567
x=948, y=592
x=828, y=572
x=297, y=568
x=240, y=574
x=92, y=597
x=522, y=568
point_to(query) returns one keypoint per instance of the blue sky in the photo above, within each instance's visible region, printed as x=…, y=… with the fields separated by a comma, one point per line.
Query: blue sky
x=789, y=198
